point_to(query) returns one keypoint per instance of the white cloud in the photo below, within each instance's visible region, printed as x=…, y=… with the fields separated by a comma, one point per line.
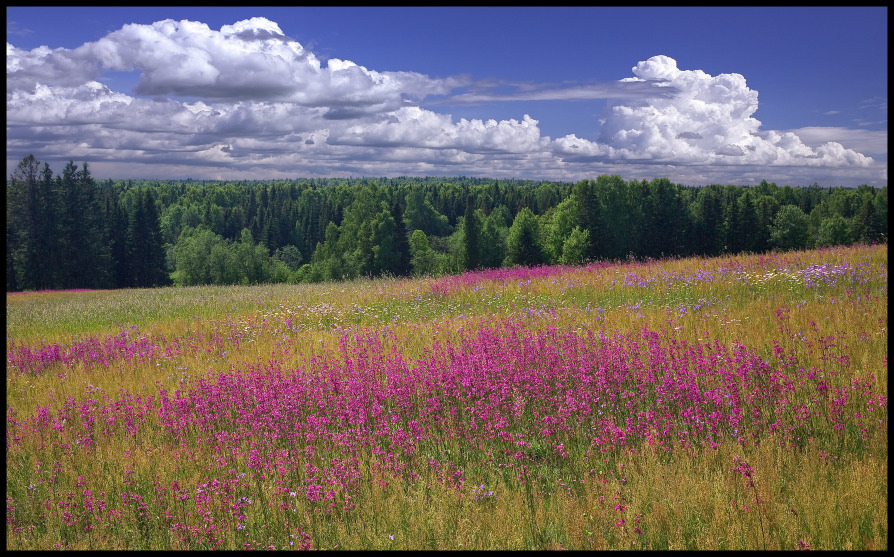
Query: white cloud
x=864, y=141
x=27, y=69
x=249, y=101
x=251, y=60
x=707, y=121
x=415, y=127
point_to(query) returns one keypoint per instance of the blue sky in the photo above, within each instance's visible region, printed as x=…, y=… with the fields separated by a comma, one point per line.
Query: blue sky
x=699, y=95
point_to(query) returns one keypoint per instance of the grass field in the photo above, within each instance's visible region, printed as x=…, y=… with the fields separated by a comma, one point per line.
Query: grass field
x=726, y=403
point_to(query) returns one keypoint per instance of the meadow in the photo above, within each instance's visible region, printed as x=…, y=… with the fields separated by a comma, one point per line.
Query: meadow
x=736, y=402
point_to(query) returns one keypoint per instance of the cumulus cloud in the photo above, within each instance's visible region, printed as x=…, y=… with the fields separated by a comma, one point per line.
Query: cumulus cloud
x=708, y=120
x=415, y=127
x=27, y=69
x=249, y=60
x=249, y=101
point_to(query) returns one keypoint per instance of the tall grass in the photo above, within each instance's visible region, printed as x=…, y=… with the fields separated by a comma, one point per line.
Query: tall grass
x=727, y=403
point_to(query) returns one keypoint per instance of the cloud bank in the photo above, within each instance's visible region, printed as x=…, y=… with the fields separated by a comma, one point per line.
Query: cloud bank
x=249, y=101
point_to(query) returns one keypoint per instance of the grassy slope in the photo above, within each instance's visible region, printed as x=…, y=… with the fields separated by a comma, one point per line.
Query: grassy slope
x=828, y=490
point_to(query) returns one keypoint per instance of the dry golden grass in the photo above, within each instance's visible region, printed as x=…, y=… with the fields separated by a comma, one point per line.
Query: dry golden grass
x=829, y=500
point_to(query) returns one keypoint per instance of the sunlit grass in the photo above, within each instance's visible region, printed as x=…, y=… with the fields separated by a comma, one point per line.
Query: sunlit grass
x=819, y=318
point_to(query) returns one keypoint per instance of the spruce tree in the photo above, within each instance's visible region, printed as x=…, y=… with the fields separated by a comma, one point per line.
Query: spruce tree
x=145, y=251
x=471, y=237
x=865, y=227
x=116, y=226
x=22, y=207
x=589, y=214
x=401, y=241
x=87, y=261
x=33, y=234
x=137, y=266
x=157, y=275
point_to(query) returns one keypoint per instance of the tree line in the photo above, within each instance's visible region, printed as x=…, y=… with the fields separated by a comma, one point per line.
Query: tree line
x=72, y=231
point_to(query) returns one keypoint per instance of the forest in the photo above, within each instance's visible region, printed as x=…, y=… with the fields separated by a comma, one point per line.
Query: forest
x=72, y=231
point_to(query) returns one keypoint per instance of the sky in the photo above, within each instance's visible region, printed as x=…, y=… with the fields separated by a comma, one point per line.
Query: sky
x=698, y=95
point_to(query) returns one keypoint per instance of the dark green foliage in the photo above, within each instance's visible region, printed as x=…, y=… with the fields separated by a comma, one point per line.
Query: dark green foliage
x=87, y=261
x=402, y=266
x=523, y=246
x=289, y=256
x=116, y=231
x=493, y=237
x=833, y=231
x=471, y=237
x=707, y=217
x=423, y=259
x=789, y=228
x=145, y=252
x=765, y=207
x=733, y=239
x=193, y=256
x=881, y=210
x=866, y=227
x=590, y=217
x=574, y=249
x=561, y=221
x=664, y=231
x=421, y=215
x=203, y=257
x=56, y=235
x=620, y=227
x=746, y=224
x=66, y=231
x=28, y=208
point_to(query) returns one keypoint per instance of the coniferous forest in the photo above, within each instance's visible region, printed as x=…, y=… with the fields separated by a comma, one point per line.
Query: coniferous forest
x=73, y=231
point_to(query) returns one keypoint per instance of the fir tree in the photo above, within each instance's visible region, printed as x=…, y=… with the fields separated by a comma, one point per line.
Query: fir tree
x=471, y=237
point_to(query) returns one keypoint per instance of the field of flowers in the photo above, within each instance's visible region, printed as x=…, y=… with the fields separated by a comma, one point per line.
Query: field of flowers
x=727, y=403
